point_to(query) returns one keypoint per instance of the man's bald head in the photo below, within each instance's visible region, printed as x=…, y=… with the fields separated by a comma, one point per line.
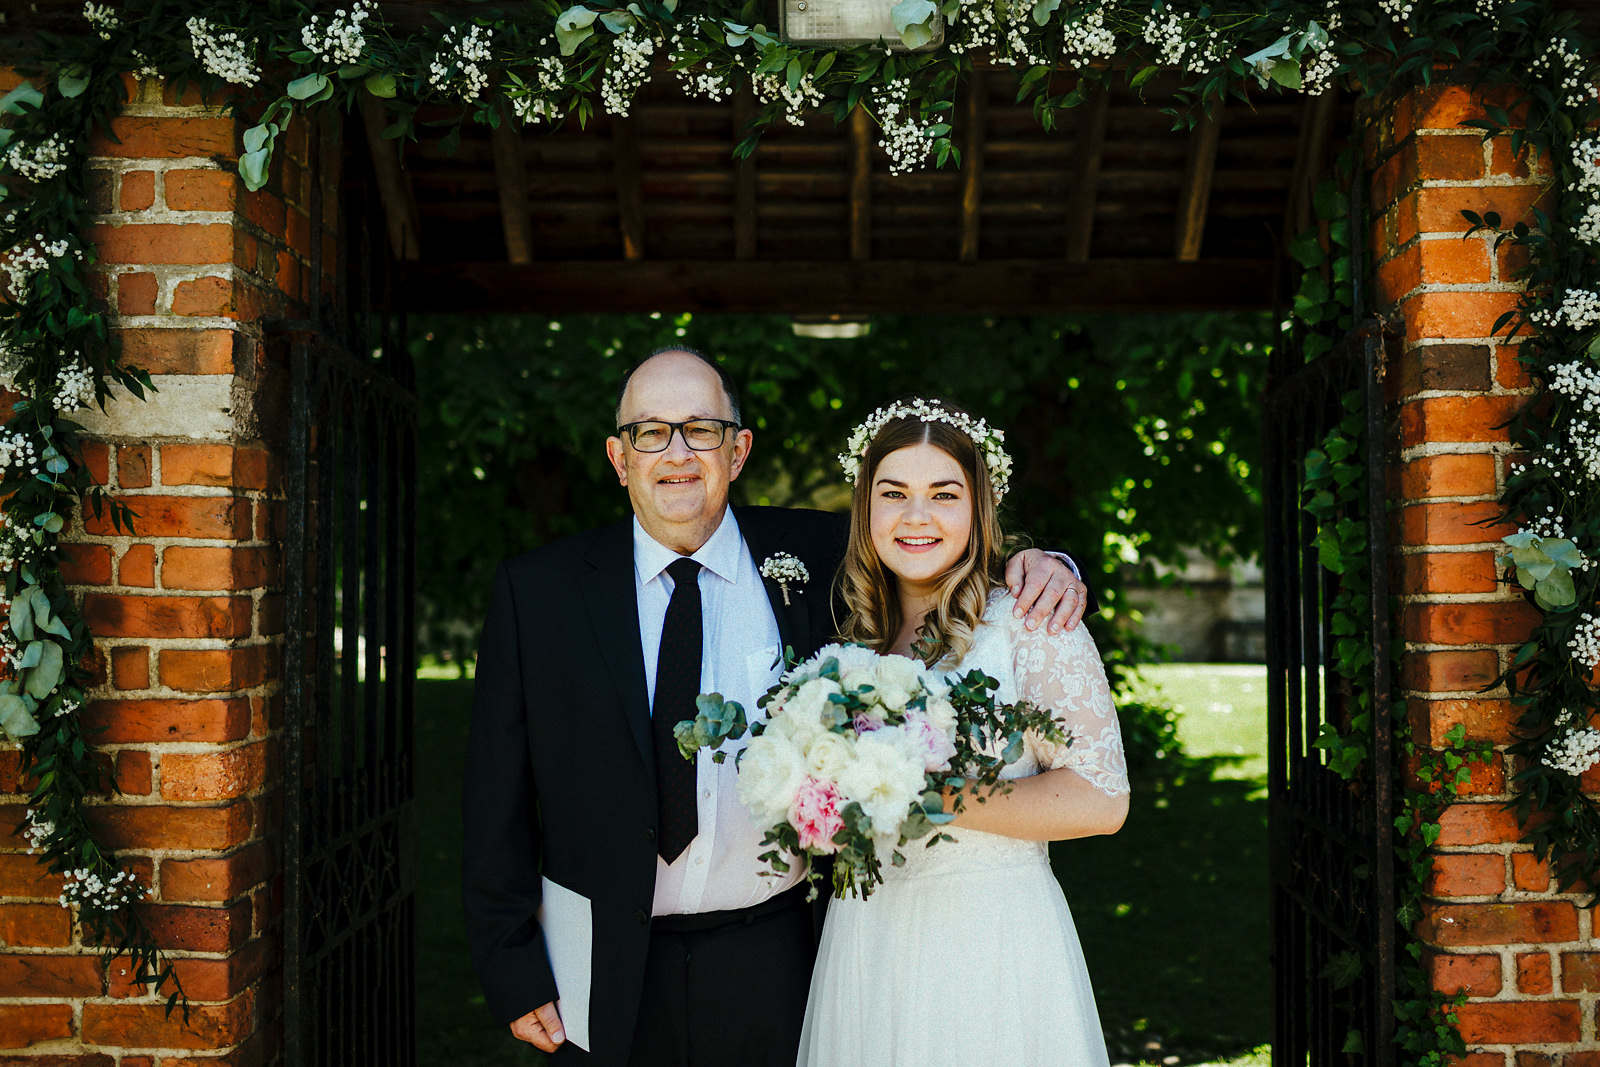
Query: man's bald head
x=729, y=389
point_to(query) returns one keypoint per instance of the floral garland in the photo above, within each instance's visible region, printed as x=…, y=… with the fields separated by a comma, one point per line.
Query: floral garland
x=547, y=65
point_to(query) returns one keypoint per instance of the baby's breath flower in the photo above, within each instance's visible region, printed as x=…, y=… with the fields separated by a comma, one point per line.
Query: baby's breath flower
x=1574, y=752
x=627, y=69
x=102, y=18
x=342, y=41
x=43, y=161
x=463, y=52
x=1585, y=642
x=74, y=386
x=223, y=52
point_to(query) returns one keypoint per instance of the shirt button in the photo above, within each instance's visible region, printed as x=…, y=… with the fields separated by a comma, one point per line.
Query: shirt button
x=699, y=861
x=644, y=920
x=705, y=794
x=649, y=833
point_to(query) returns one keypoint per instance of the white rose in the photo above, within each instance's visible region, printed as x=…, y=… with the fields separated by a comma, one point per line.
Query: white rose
x=809, y=702
x=885, y=777
x=770, y=774
x=858, y=666
x=942, y=714
x=828, y=755
x=898, y=680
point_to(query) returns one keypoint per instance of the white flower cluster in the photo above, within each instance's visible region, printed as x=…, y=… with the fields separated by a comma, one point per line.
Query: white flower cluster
x=66, y=706
x=463, y=53
x=1585, y=643
x=86, y=889
x=1578, y=382
x=975, y=27
x=38, y=831
x=147, y=66
x=990, y=441
x=102, y=18
x=783, y=568
x=1488, y=8
x=1575, y=752
x=797, y=101
x=1088, y=37
x=24, y=261
x=1164, y=28
x=16, y=450
x=1020, y=41
x=74, y=386
x=539, y=104
x=707, y=82
x=627, y=69
x=223, y=52
x=12, y=362
x=1397, y=10
x=46, y=160
x=1579, y=308
x=1565, y=65
x=1588, y=228
x=1548, y=525
x=343, y=40
x=899, y=133
x=1586, y=157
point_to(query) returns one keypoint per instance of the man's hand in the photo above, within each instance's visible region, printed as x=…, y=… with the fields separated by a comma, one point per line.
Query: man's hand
x=540, y=1028
x=1046, y=589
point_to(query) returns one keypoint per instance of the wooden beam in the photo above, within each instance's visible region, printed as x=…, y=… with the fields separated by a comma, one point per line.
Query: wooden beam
x=744, y=179
x=977, y=120
x=860, y=184
x=1310, y=157
x=630, y=195
x=511, y=177
x=1085, y=192
x=1194, y=196
x=394, y=184
x=842, y=287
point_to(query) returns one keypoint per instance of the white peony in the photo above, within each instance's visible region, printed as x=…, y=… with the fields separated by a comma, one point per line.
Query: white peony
x=770, y=775
x=810, y=700
x=828, y=755
x=942, y=714
x=884, y=779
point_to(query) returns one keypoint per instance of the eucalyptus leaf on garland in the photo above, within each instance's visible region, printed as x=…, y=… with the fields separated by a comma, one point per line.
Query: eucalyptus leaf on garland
x=543, y=64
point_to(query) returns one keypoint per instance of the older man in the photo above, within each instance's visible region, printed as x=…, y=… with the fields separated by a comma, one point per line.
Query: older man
x=616, y=907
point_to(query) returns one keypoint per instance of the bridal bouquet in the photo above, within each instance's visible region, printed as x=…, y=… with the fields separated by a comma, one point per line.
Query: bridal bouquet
x=855, y=752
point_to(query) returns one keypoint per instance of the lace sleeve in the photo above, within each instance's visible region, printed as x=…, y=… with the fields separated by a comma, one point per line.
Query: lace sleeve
x=1063, y=673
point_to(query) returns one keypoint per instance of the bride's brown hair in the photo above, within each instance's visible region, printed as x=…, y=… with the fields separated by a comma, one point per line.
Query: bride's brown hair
x=868, y=589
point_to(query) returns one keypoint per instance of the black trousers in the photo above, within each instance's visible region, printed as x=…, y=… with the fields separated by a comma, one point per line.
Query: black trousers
x=727, y=990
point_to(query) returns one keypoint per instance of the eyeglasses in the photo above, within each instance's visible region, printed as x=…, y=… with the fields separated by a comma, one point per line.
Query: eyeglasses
x=701, y=435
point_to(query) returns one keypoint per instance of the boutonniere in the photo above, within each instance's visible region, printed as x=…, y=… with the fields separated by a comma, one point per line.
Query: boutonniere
x=783, y=569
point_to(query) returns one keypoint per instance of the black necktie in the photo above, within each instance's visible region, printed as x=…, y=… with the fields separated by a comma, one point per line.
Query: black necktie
x=677, y=684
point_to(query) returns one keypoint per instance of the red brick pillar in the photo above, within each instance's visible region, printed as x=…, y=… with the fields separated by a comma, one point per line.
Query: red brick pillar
x=1496, y=928
x=187, y=610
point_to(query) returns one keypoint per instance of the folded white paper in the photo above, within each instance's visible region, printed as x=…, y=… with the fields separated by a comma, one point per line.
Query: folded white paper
x=569, y=938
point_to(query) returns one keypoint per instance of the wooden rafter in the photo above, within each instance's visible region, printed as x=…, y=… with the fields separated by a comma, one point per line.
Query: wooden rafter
x=839, y=287
x=511, y=177
x=1085, y=191
x=744, y=180
x=630, y=194
x=394, y=184
x=860, y=184
x=977, y=121
x=1194, y=196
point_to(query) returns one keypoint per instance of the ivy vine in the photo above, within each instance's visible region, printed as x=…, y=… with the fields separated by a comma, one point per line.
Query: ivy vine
x=545, y=63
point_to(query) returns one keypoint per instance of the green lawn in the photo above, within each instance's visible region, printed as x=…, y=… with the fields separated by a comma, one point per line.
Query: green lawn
x=1172, y=911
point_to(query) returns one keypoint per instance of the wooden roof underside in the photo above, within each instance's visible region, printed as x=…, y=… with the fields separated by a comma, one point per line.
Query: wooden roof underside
x=1114, y=210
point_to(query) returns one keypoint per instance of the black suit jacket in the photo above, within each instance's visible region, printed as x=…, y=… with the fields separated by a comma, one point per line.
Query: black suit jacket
x=560, y=775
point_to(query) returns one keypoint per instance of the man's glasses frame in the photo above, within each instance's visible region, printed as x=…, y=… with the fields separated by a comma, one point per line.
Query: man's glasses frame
x=633, y=430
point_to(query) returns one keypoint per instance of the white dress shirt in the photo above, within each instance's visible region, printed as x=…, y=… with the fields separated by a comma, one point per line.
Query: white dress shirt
x=720, y=869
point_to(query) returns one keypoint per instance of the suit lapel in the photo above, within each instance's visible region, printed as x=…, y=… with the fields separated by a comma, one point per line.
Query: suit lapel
x=613, y=606
x=765, y=538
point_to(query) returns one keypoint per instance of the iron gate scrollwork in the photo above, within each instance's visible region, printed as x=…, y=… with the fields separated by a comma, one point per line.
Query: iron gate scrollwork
x=349, y=661
x=1333, y=921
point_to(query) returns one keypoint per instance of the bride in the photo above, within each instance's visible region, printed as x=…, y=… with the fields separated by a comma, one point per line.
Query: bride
x=967, y=954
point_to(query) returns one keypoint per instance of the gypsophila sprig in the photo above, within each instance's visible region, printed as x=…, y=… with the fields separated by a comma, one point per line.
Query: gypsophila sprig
x=1585, y=642
x=783, y=568
x=1573, y=752
x=627, y=69
x=102, y=18
x=342, y=40
x=227, y=53
x=458, y=64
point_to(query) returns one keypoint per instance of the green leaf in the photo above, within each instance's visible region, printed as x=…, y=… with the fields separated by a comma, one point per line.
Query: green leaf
x=574, y=26
x=1556, y=591
x=15, y=720
x=1286, y=72
x=911, y=20
x=1043, y=9
x=380, y=85
x=22, y=615
x=44, y=677
x=73, y=81
x=253, y=167
x=23, y=96
x=307, y=87
x=1143, y=76
x=259, y=137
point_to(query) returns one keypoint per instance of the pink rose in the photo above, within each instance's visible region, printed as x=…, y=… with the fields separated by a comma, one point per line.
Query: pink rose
x=866, y=723
x=936, y=748
x=815, y=815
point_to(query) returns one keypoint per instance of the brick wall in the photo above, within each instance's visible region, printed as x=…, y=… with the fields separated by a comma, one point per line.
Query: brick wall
x=187, y=611
x=1496, y=928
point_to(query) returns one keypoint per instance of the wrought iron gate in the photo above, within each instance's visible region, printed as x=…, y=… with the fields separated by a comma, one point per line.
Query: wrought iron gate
x=1333, y=925
x=349, y=808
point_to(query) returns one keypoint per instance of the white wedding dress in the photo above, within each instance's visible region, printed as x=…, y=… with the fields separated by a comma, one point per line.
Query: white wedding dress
x=966, y=956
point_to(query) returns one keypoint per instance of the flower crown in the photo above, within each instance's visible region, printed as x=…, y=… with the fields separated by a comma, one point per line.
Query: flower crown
x=983, y=435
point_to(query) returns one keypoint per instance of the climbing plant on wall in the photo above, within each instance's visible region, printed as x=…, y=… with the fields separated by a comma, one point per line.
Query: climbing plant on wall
x=549, y=63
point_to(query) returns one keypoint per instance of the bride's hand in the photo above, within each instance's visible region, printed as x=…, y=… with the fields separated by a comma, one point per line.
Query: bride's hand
x=540, y=1028
x=1046, y=589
